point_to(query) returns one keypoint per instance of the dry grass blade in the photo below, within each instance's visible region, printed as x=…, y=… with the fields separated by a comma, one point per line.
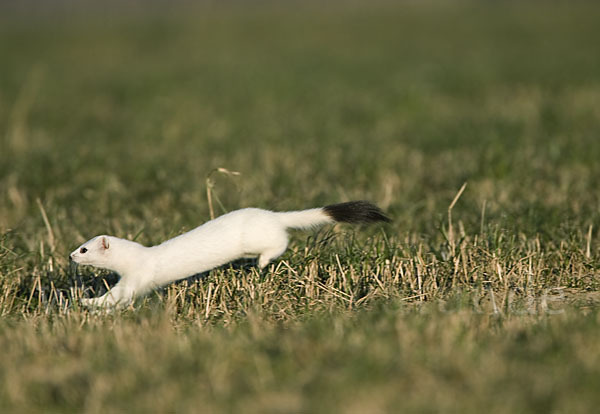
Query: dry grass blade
x=47, y=224
x=450, y=225
x=588, y=246
x=210, y=185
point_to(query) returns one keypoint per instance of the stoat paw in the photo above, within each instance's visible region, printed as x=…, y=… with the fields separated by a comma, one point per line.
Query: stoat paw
x=87, y=302
x=95, y=302
x=104, y=303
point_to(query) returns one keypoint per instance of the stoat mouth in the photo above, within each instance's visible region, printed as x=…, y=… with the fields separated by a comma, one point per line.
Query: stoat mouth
x=73, y=265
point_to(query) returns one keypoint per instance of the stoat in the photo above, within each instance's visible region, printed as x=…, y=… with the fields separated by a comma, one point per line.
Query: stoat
x=249, y=232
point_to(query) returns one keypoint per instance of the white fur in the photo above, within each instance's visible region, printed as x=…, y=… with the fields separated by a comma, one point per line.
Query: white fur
x=249, y=232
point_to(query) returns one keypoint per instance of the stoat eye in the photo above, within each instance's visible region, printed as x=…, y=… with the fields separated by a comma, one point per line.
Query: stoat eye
x=82, y=250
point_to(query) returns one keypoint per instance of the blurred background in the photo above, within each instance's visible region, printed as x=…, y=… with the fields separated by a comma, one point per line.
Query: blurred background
x=121, y=109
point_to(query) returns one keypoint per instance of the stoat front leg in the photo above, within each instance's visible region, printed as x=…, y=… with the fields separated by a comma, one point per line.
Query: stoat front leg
x=119, y=295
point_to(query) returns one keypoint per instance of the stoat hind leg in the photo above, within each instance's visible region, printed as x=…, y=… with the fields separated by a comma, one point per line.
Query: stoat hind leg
x=271, y=253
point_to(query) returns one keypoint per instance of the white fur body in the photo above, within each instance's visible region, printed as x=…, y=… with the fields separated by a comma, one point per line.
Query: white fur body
x=249, y=232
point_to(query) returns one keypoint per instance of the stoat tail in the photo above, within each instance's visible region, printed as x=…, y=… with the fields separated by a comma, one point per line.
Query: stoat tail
x=351, y=212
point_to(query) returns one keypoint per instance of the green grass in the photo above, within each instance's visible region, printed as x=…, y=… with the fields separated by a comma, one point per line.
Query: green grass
x=112, y=120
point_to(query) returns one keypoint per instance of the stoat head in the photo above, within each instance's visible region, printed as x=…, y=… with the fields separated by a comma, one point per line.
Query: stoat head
x=94, y=252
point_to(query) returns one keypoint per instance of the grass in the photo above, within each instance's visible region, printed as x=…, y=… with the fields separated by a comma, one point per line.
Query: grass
x=113, y=121
x=390, y=358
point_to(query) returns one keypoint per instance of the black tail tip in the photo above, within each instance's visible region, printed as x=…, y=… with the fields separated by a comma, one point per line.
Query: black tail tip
x=356, y=212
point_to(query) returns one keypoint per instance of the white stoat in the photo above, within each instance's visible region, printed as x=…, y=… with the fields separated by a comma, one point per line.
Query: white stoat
x=250, y=232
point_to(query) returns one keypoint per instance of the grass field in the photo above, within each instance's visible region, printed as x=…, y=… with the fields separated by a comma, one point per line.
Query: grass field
x=114, y=120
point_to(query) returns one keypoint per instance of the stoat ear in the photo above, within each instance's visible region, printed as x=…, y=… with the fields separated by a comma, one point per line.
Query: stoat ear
x=105, y=243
